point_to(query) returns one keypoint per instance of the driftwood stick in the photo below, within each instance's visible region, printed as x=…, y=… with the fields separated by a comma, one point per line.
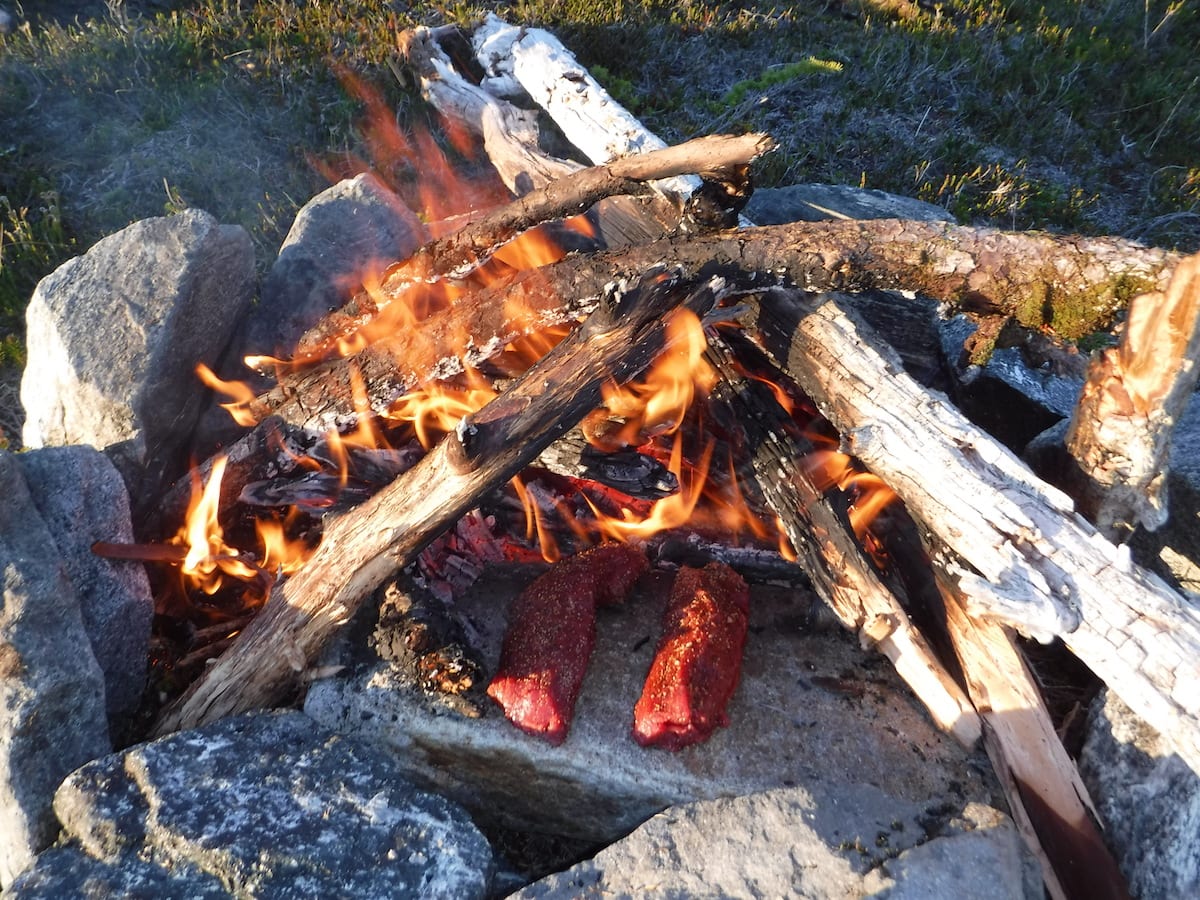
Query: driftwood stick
x=1120, y=433
x=364, y=546
x=827, y=551
x=1047, y=798
x=1022, y=555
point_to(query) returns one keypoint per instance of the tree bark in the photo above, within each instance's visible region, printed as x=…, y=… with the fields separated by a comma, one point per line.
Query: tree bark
x=1020, y=553
x=1120, y=433
x=363, y=547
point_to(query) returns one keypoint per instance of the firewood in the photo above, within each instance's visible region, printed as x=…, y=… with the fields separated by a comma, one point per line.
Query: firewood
x=1021, y=554
x=1120, y=433
x=828, y=552
x=361, y=548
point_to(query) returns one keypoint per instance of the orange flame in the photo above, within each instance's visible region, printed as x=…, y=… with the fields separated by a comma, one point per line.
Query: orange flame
x=208, y=557
x=280, y=554
x=238, y=392
x=830, y=468
x=659, y=401
x=535, y=523
x=670, y=512
x=435, y=409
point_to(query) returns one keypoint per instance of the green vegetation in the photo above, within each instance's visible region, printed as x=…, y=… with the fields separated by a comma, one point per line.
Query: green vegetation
x=1049, y=114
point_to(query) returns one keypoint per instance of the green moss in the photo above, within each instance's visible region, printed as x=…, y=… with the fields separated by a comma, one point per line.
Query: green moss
x=781, y=75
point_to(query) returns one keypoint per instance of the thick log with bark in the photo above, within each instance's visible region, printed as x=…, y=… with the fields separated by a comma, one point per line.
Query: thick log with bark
x=1020, y=553
x=363, y=547
x=977, y=268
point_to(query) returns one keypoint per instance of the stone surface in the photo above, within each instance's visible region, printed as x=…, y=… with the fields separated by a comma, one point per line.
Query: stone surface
x=273, y=806
x=812, y=710
x=816, y=202
x=64, y=872
x=114, y=336
x=1148, y=799
x=82, y=499
x=51, y=688
x=853, y=842
x=352, y=230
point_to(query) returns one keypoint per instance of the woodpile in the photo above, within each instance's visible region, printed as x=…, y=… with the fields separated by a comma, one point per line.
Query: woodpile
x=1004, y=552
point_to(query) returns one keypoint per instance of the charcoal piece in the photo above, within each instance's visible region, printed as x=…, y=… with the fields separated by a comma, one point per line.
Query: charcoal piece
x=699, y=659
x=551, y=632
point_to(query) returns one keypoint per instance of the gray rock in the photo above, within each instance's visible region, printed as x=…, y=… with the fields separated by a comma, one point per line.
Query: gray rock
x=812, y=710
x=114, y=336
x=817, y=202
x=51, y=689
x=985, y=859
x=82, y=498
x=353, y=229
x=69, y=872
x=1148, y=799
x=274, y=806
x=852, y=842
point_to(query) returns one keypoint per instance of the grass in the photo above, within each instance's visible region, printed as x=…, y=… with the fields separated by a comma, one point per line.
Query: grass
x=1052, y=114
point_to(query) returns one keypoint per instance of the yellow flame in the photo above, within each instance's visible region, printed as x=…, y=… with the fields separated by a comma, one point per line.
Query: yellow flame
x=435, y=409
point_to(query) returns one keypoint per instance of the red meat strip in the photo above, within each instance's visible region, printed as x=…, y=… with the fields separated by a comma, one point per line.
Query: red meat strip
x=551, y=632
x=698, y=661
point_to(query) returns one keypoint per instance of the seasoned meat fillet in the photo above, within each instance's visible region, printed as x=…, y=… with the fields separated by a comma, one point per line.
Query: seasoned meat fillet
x=699, y=659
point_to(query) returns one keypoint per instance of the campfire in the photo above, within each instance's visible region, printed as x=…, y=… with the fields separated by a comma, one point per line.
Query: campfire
x=610, y=359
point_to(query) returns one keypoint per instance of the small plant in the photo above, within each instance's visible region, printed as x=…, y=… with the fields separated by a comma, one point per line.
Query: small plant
x=771, y=77
x=33, y=242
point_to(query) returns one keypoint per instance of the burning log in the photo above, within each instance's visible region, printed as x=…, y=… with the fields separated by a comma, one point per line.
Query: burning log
x=1120, y=434
x=1020, y=554
x=827, y=550
x=362, y=547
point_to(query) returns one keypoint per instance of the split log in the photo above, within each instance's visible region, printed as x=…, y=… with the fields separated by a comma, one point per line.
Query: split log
x=1022, y=555
x=1047, y=798
x=1120, y=433
x=977, y=268
x=363, y=547
x=827, y=551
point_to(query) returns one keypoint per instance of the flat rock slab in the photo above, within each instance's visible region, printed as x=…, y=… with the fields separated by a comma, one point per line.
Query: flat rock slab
x=792, y=843
x=114, y=336
x=812, y=710
x=271, y=805
x=52, y=716
x=82, y=499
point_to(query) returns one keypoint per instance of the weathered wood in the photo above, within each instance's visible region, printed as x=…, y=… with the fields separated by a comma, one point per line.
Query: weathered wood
x=826, y=548
x=1022, y=555
x=1120, y=433
x=463, y=251
x=364, y=546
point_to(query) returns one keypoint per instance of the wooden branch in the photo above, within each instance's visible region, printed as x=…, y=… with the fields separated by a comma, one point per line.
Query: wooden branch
x=1120, y=433
x=364, y=546
x=510, y=135
x=460, y=253
x=530, y=60
x=1023, y=556
x=827, y=550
